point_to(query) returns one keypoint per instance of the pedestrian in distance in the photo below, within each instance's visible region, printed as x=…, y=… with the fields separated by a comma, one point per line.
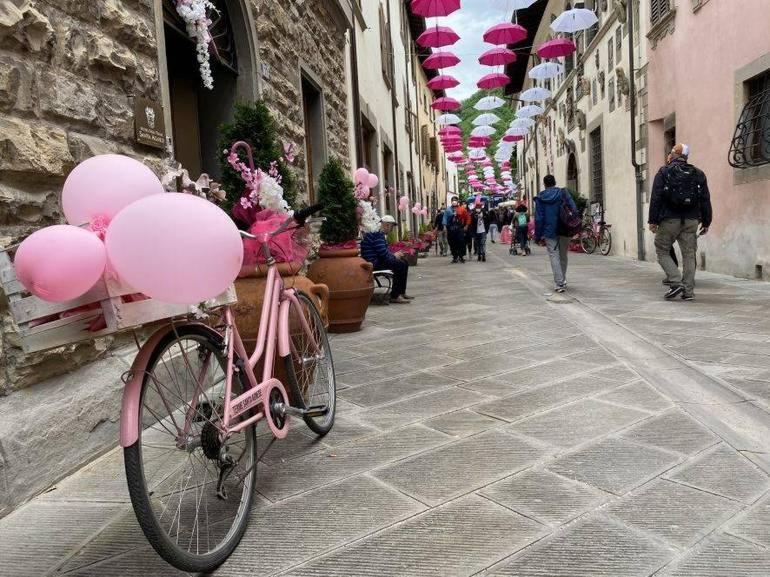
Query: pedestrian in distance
x=494, y=225
x=456, y=220
x=440, y=230
x=481, y=220
x=521, y=220
x=555, y=220
x=680, y=203
x=374, y=248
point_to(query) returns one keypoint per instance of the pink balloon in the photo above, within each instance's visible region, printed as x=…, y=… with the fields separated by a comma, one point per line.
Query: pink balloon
x=373, y=181
x=99, y=187
x=361, y=176
x=175, y=247
x=60, y=263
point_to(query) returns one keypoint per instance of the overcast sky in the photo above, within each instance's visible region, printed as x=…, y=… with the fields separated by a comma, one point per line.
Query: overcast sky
x=470, y=22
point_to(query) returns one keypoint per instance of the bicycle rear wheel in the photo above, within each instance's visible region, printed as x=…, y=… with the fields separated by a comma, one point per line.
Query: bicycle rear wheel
x=310, y=366
x=190, y=491
x=588, y=240
x=605, y=241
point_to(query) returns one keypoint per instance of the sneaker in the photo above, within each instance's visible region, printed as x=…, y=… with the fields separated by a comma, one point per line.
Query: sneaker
x=564, y=284
x=478, y=258
x=483, y=258
x=462, y=260
x=407, y=297
x=455, y=261
x=559, y=289
x=493, y=242
x=400, y=300
x=674, y=291
x=688, y=297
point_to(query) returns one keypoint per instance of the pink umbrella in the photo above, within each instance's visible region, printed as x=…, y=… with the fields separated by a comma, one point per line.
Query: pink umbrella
x=556, y=48
x=440, y=59
x=511, y=138
x=497, y=57
x=446, y=103
x=480, y=142
x=434, y=8
x=505, y=33
x=437, y=37
x=486, y=162
x=447, y=130
x=442, y=82
x=494, y=80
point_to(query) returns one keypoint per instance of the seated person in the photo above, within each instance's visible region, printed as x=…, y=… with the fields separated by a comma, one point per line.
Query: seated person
x=374, y=248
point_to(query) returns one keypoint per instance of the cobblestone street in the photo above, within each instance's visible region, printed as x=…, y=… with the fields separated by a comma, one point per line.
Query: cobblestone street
x=491, y=428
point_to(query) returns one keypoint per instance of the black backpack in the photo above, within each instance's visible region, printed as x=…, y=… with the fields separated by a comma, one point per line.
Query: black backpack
x=682, y=189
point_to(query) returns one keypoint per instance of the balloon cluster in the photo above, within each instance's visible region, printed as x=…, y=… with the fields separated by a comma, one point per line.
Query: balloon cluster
x=174, y=247
x=365, y=181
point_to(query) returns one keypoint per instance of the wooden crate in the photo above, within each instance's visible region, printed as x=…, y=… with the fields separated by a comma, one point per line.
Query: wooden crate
x=28, y=311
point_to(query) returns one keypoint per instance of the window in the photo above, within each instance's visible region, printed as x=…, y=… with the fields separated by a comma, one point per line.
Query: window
x=386, y=50
x=315, y=143
x=669, y=140
x=611, y=93
x=618, y=45
x=610, y=54
x=658, y=10
x=594, y=92
x=597, y=168
x=751, y=142
x=593, y=30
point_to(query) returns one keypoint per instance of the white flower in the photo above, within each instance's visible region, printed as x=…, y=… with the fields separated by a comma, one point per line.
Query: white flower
x=194, y=14
x=370, y=220
x=271, y=195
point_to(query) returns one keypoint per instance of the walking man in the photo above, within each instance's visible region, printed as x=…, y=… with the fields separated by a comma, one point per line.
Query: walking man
x=680, y=201
x=456, y=220
x=494, y=224
x=374, y=248
x=480, y=223
x=438, y=226
x=549, y=229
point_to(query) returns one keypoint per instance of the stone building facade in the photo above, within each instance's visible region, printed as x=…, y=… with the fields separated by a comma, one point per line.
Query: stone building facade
x=71, y=74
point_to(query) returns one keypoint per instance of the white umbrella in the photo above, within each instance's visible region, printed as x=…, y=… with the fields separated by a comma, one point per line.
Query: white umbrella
x=522, y=123
x=483, y=131
x=476, y=153
x=517, y=131
x=535, y=94
x=447, y=119
x=519, y=4
x=574, y=20
x=473, y=177
x=546, y=70
x=489, y=103
x=486, y=119
x=529, y=111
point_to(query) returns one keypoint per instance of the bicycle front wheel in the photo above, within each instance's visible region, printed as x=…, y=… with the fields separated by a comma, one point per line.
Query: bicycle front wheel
x=588, y=240
x=605, y=241
x=191, y=491
x=310, y=367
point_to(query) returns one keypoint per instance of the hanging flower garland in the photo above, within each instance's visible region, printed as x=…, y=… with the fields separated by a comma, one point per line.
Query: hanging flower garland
x=195, y=16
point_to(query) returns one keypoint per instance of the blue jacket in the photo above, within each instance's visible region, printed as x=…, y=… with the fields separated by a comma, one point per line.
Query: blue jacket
x=374, y=248
x=547, y=208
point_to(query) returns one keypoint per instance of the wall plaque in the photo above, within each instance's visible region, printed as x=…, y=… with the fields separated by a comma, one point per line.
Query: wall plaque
x=149, y=128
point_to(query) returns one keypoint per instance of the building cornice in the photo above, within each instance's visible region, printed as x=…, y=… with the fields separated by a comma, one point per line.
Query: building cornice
x=662, y=28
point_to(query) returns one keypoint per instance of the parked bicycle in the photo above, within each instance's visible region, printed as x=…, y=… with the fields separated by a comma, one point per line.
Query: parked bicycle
x=596, y=234
x=190, y=410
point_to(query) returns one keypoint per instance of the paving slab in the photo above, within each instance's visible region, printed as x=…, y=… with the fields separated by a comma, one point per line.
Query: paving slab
x=596, y=548
x=723, y=556
x=754, y=524
x=458, y=468
x=392, y=389
x=463, y=423
x=638, y=395
x=479, y=368
x=674, y=431
x=724, y=471
x=456, y=540
x=614, y=465
x=544, y=496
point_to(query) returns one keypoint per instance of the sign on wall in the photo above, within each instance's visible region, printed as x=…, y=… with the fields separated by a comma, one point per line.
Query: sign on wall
x=149, y=127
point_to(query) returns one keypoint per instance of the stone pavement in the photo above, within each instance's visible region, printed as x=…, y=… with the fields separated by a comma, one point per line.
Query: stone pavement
x=492, y=429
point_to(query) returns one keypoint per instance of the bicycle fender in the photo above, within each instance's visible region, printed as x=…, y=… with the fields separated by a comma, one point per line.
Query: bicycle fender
x=132, y=392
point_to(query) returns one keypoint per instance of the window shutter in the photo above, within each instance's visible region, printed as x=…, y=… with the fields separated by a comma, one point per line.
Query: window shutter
x=424, y=139
x=434, y=151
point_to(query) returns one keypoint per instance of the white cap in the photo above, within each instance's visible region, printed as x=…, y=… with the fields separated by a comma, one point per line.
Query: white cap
x=389, y=219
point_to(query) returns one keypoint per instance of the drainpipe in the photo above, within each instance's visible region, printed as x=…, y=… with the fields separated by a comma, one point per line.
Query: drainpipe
x=408, y=63
x=640, y=251
x=394, y=103
x=356, y=97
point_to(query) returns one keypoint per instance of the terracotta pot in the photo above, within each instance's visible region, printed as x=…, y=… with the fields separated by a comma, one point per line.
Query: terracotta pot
x=350, y=282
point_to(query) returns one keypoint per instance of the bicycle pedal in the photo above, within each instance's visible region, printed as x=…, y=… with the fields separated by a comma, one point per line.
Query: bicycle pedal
x=316, y=411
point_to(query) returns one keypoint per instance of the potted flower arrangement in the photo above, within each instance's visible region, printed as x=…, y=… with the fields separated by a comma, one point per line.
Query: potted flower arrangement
x=348, y=276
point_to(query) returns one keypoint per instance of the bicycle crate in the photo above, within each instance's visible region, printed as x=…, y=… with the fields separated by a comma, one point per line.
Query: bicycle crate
x=43, y=325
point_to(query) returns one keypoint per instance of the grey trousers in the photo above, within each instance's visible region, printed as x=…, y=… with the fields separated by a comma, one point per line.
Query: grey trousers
x=557, y=252
x=670, y=231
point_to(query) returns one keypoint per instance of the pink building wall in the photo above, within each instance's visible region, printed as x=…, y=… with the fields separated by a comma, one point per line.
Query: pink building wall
x=692, y=73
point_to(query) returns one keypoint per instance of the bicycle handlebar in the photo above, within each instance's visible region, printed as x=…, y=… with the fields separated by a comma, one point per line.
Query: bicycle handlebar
x=298, y=217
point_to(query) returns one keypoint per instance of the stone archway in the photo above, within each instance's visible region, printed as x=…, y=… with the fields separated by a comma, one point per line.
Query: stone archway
x=572, y=174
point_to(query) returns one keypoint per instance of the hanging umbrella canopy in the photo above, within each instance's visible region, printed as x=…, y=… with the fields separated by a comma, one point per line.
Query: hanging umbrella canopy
x=435, y=8
x=447, y=119
x=556, y=48
x=483, y=131
x=489, y=103
x=446, y=103
x=529, y=111
x=453, y=148
x=575, y=20
x=443, y=82
x=492, y=81
x=447, y=130
x=535, y=94
x=497, y=57
x=437, y=36
x=523, y=122
x=472, y=177
x=441, y=59
x=546, y=70
x=517, y=131
x=519, y=4
x=505, y=33
x=486, y=119
x=479, y=142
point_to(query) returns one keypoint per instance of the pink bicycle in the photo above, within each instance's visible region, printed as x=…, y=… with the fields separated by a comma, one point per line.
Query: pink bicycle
x=190, y=409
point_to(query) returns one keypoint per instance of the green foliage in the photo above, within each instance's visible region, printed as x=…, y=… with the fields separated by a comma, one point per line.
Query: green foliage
x=253, y=124
x=392, y=237
x=425, y=228
x=406, y=236
x=336, y=192
x=580, y=201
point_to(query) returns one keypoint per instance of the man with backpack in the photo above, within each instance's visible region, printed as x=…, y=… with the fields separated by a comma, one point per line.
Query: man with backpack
x=556, y=221
x=456, y=221
x=680, y=202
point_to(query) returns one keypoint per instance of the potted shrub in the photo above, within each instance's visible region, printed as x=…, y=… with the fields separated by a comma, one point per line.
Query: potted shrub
x=339, y=266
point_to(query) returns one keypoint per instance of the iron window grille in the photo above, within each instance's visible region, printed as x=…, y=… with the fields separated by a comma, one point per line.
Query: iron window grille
x=751, y=142
x=597, y=168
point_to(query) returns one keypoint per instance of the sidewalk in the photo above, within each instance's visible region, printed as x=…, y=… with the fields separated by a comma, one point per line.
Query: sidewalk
x=484, y=429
